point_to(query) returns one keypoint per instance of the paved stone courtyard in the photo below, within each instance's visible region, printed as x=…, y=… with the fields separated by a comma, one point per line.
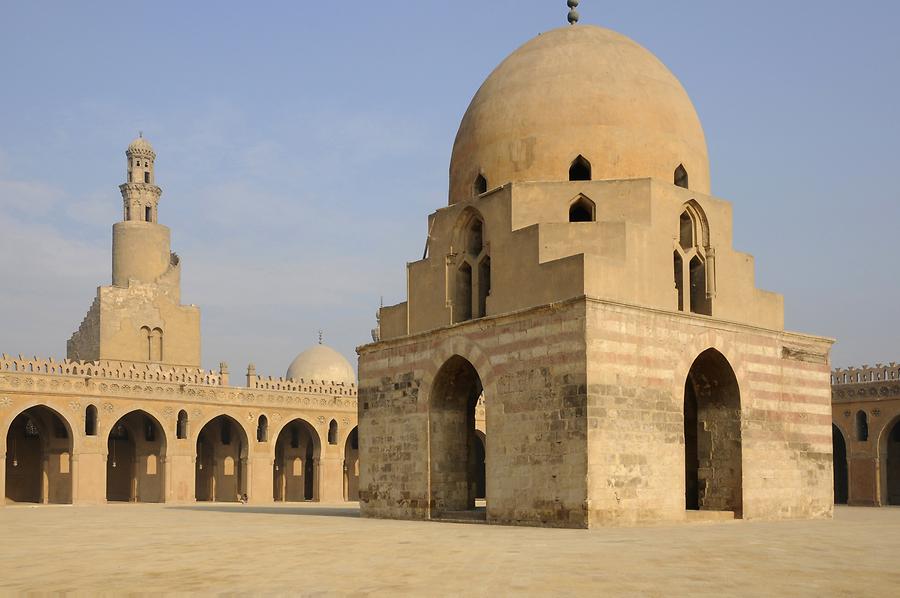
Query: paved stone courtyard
x=312, y=549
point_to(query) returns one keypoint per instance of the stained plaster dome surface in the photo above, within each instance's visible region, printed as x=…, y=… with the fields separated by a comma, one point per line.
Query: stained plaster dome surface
x=578, y=90
x=322, y=363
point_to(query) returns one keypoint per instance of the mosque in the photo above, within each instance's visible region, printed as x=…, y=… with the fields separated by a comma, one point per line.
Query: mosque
x=582, y=288
x=581, y=345
x=130, y=416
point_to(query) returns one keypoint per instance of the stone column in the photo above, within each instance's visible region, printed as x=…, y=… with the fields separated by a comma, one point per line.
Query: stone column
x=88, y=478
x=331, y=479
x=262, y=482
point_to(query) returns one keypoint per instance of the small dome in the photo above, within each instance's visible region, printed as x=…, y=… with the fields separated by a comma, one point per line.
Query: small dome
x=322, y=363
x=141, y=145
x=578, y=90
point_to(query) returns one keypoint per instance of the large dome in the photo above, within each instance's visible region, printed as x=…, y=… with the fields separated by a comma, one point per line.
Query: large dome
x=578, y=90
x=322, y=363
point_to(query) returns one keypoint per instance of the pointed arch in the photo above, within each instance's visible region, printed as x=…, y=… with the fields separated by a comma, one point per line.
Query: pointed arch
x=297, y=450
x=452, y=401
x=580, y=169
x=39, y=447
x=136, y=448
x=582, y=209
x=480, y=186
x=681, y=177
x=221, y=461
x=694, y=262
x=712, y=436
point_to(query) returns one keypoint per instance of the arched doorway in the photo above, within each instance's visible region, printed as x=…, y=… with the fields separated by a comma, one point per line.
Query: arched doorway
x=712, y=436
x=135, y=460
x=351, y=466
x=892, y=464
x=38, y=458
x=295, y=471
x=454, y=457
x=221, y=468
x=839, y=450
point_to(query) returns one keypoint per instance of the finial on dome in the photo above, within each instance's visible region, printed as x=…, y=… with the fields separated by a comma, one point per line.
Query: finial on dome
x=320, y=337
x=573, y=14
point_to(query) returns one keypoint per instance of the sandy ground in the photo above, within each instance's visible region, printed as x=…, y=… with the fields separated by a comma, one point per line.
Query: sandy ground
x=320, y=550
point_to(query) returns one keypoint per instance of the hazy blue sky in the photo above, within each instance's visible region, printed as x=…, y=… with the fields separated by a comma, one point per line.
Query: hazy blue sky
x=301, y=146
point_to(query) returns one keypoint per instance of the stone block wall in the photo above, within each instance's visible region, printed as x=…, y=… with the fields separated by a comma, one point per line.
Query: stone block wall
x=531, y=366
x=638, y=363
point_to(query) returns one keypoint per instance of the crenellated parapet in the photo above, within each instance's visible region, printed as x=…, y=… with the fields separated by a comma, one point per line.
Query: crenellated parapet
x=301, y=385
x=115, y=370
x=115, y=379
x=866, y=383
x=865, y=374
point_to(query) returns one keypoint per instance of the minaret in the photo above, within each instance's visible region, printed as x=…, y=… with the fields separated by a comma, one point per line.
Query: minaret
x=140, y=244
x=140, y=194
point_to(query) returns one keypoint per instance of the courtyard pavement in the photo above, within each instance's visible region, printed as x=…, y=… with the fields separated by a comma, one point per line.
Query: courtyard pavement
x=315, y=550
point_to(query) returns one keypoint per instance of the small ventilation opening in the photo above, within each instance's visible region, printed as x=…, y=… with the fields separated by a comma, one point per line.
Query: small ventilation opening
x=580, y=170
x=681, y=176
x=582, y=210
x=481, y=185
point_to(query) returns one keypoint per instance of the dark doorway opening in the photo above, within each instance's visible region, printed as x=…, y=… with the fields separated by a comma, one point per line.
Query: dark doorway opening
x=712, y=436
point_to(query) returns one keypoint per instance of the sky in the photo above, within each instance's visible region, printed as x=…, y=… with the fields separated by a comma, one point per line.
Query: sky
x=301, y=146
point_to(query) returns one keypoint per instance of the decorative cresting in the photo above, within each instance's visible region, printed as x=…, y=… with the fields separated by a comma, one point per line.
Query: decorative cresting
x=866, y=373
x=573, y=14
x=143, y=372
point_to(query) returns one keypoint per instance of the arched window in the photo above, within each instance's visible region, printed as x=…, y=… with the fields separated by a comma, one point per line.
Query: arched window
x=580, y=170
x=862, y=426
x=262, y=429
x=148, y=214
x=582, y=210
x=693, y=262
x=681, y=176
x=472, y=276
x=181, y=430
x=332, y=432
x=156, y=344
x=481, y=185
x=90, y=421
x=146, y=177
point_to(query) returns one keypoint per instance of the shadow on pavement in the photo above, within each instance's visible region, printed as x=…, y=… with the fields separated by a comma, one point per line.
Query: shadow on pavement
x=323, y=511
